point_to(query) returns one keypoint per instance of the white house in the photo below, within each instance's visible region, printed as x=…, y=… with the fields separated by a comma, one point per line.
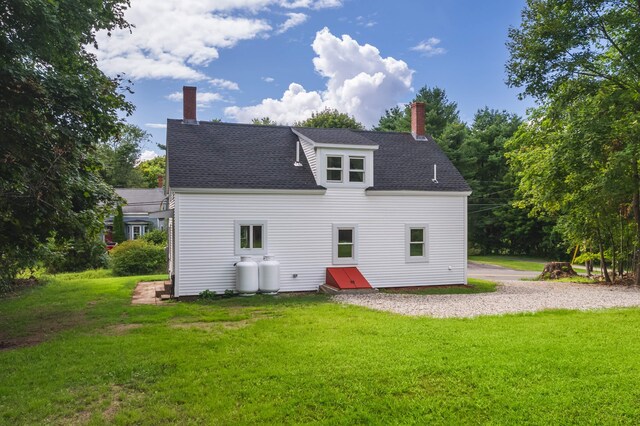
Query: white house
x=390, y=204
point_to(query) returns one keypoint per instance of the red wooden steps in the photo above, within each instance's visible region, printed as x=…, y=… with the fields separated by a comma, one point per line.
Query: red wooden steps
x=346, y=278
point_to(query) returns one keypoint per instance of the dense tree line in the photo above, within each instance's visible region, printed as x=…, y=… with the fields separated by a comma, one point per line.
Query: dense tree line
x=55, y=108
x=576, y=159
x=478, y=149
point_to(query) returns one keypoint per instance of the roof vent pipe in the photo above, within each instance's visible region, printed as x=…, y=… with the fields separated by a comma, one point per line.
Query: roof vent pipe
x=189, y=105
x=297, y=163
x=435, y=174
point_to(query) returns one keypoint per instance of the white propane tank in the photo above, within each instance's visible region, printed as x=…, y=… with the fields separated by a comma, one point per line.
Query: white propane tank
x=269, y=275
x=247, y=276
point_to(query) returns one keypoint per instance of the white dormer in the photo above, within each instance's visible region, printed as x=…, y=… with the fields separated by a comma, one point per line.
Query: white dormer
x=335, y=165
x=345, y=167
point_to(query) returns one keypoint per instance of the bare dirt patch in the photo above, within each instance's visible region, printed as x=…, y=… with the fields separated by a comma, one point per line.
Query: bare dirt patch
x=18, y=286
x=44, y=326
x=120, y=329
x=106, y=405
x=255, y=315
x=213, y=325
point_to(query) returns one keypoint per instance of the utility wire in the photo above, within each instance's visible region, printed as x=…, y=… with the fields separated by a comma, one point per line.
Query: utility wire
x=487, y=209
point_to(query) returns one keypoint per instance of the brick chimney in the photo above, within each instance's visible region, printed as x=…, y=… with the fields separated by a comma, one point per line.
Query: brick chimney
x=189, y=105
x=160, y=181
x=417, y=120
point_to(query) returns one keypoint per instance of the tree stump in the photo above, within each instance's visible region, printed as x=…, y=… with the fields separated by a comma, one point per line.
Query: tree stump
x=555, y=270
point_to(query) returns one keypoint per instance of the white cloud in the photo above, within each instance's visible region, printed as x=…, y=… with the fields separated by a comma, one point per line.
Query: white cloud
x=146, y=155
x=310, y=4
x=204, y=99
x=224, y=84
x=176, y=38
x=156, y=125
x=295, y=104
x=365, y=22
x=293, y=20
x=429, y=47
x=360, y=83
x=268, y=79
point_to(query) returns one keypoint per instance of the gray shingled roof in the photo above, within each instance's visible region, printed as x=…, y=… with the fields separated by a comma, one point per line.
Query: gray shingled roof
x=141, y=200
x=333, y=136
x=224, y=155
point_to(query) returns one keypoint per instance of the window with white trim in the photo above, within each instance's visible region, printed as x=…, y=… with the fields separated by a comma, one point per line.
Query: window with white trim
x=345, y=168
x=345, y=244
x=417, y=243
x=334, y=168
x=136, y=231
x=356, y=169
x=250, y=237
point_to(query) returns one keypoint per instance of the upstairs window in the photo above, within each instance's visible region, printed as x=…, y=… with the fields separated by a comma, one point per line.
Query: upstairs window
x=250, y=237
x=334, y=168
x=356, y=169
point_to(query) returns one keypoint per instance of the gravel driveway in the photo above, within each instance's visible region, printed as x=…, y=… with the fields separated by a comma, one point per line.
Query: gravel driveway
x=510, y=297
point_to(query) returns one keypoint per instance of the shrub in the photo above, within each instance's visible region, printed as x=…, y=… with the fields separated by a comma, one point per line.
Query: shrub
x=137, y=257
x=157, y=236
x=74, y=255
x=118, y=235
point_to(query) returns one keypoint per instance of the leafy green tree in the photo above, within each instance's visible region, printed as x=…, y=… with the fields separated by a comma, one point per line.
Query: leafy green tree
x=55, y=106
x=577, y=158
x=156, y=236
x=440, y=113
x=264, y=121
x=151, y=169
x=120, y=154
x=442, y=122
x=332, y=119
x=496, y=226
x=118, y=235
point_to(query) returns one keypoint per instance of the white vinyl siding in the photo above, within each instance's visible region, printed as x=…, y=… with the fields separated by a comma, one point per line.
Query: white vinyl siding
x=300, y=237
x=310, y=153
x=170, y=236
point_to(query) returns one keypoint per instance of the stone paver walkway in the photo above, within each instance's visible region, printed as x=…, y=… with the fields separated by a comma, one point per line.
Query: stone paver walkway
x=145, y=293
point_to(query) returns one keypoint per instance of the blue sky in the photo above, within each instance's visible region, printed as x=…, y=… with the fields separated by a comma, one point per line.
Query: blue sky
x=361, y=57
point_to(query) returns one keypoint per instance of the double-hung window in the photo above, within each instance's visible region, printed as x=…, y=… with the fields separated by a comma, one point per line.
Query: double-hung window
x=356, y=169
x=334, y=168
x=345, y=169
x=250, y=237
x=417, y=243
x=345, y=244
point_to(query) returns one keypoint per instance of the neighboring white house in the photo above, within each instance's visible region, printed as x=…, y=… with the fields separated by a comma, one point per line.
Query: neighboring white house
x=390, y=204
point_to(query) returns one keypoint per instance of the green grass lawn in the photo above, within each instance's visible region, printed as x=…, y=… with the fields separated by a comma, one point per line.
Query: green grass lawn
x=517, y=263
x=511, y=262
x=474, y=286
x=93, y=358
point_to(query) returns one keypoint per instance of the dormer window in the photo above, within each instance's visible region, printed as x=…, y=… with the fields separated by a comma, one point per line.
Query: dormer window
x=334, y=168
x=356, y=169
x=351, y=166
